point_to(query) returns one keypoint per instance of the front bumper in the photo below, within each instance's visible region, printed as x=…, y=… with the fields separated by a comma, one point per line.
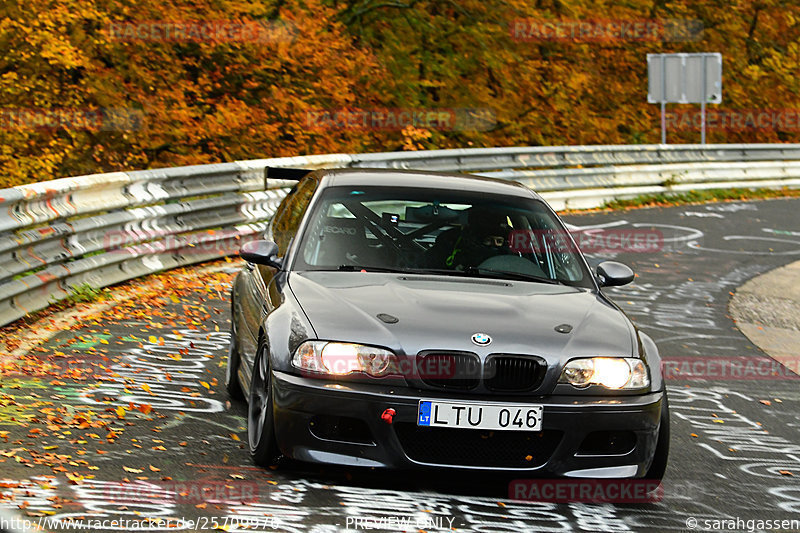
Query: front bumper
x=301, y=403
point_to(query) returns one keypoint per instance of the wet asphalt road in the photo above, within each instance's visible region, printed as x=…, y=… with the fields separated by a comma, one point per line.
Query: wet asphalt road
x=735, y=422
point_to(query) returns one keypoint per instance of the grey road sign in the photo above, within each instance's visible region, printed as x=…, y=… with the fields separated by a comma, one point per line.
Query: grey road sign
x=684, y=79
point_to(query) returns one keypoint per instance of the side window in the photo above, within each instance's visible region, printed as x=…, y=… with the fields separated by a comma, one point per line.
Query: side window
x=287, y=218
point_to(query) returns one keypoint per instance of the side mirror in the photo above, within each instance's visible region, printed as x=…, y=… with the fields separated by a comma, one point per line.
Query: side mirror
x=613, y=274
x=261, y=253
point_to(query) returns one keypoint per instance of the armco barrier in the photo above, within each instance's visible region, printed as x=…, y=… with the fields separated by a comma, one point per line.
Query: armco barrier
x=106, y=228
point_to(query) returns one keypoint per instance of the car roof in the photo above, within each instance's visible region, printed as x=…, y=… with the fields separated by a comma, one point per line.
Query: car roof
x=421, y=179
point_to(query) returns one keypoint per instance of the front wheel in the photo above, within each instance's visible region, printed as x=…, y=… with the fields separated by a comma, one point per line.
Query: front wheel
x=260, y=421
x=659, y=464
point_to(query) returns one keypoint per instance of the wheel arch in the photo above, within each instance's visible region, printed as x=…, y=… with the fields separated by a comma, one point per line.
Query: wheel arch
x=651, y=356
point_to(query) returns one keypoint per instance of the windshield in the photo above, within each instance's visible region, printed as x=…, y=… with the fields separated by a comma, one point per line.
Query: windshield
x=439, y=231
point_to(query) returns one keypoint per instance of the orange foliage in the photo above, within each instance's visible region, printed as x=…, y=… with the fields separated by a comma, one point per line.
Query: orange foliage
x=211, y=99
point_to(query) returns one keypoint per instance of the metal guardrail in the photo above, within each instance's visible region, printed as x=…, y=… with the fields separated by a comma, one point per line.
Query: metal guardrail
x=106, y=228
x=585, y=188
x=478, y=159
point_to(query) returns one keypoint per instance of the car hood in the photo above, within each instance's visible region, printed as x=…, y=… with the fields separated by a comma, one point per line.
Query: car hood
x=443, y=312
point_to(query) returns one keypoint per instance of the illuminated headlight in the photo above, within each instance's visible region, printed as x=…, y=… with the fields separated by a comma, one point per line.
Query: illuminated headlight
x=341, y=358
x=610, y=372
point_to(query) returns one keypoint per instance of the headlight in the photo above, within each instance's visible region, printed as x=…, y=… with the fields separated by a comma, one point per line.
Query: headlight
x=341, y=358
x=610, y=372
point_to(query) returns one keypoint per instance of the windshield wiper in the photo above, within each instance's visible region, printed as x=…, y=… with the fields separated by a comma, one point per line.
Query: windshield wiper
x=358, y=268
x=510, y=275
x=441, y=271
x=484, y=273
x=467, y=272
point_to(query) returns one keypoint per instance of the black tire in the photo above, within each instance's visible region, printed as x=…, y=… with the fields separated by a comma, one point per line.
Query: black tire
x=232, y=384
x=659, y=464
x=260, y=422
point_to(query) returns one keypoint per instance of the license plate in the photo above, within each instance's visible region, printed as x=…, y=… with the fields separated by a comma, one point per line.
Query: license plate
x=500, y=416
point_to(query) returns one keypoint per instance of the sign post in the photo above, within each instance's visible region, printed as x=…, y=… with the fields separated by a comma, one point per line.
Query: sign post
x=684, y=79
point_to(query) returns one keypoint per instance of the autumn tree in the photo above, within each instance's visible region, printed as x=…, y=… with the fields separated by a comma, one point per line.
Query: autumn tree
x=113, y=99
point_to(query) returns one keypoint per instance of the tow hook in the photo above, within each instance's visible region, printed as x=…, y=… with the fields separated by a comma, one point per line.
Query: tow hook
x=387, y=415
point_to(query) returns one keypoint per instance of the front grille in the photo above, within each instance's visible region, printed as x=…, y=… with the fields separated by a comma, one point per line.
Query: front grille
x=477, y=448
x=513, y=373
x=449, y=370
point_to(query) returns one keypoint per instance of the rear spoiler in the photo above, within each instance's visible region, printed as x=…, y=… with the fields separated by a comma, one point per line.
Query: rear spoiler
x=283, y=173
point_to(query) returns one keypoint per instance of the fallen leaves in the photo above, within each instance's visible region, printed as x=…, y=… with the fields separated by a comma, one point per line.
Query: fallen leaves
x=74, y=478
x=66, y=370
x=144, y=408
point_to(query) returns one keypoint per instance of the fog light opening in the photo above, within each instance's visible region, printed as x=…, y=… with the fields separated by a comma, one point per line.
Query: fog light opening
x=608, y=443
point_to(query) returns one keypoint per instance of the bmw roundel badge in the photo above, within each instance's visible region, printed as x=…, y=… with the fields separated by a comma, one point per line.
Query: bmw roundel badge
x=481, y=339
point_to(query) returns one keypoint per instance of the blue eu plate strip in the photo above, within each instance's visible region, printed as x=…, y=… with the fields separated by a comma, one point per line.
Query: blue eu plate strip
x=424, y=414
